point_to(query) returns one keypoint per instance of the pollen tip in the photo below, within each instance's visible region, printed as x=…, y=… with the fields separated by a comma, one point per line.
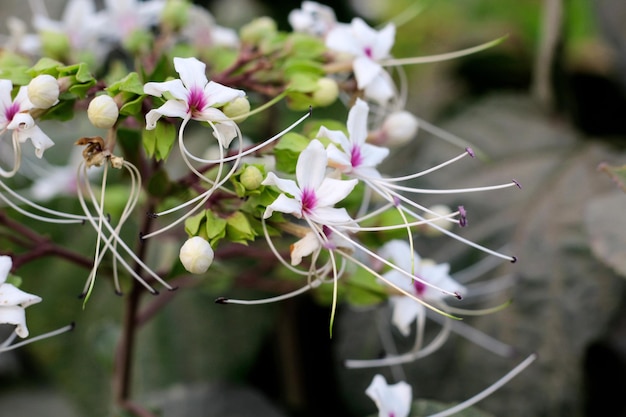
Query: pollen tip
x=517, y=183
x=458, y=296
x=221, y=300
x=82, y=295
x=172, y=288
x=310, y=110
x=119, y=293
x=72, y=326
x=462, y=216
x=141, y=236
x=153, y=291
x=470, y=152
x=513, y=259
x=152, y=215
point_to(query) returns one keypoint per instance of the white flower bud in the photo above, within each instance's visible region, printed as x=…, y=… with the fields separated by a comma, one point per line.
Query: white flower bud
x=103, y=111
x=43, y=91
x=399, y=128
x=196, y=255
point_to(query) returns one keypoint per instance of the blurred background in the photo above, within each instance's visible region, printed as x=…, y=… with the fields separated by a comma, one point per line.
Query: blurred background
x=545, y=107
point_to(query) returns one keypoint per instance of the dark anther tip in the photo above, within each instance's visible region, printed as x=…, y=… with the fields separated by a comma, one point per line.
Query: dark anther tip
x=72, y=325
x=172, y=288
x=141, y=236
x=152, y=215
x=513, y=259
x=458, y=296
x=154, y=292
x=517, y=183
x=82, y=295
x=221, y=300
x=470, y=152
x=119, y=293
x=310, y=110
x=462, y=216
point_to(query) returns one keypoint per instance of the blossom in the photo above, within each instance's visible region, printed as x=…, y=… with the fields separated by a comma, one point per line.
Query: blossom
x=313, y=18
x=15, y=116
x=120, y=18
x=367, y=46
x=405, y=309
x=13, y=301
x=391, y=400
x=194, y=97
x=103, y=111
x=314, y=194
x=43, y=91
x=355, y=157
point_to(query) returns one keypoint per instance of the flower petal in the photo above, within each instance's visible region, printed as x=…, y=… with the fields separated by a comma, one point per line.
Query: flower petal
x=338, y=159
x=372, y=155
x=218, y=94
x=365, y=71
x=171, y=108
x=333, y=190
x=174, y=87
x=304, y=247
x=39, y=139
x=192, y=72
x=311, y=166
x=5, y=267
x=385, y=39
x=286, y=186
x=17, y=316
x=10, y=295
x=381, y=89
x=405, y=311
x=284, y=204
x=331, y=216
x=357, y=122
x=391, y=400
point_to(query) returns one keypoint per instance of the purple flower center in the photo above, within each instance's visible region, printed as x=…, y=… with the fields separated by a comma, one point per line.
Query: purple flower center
x=356, y=158
x=309, y=200
x=368, y=52
x=11, y=111
x=419, y=287
x=196, y=101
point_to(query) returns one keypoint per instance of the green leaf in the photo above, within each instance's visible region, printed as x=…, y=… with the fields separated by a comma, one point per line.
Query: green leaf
x=131, y=84
x=287, y=151
x=215, y=227
x=193, y=223
x=148, y=139
x=302, y=83
x=132, y=107
x=46, y=66
x=238, y=228
x=303, y=45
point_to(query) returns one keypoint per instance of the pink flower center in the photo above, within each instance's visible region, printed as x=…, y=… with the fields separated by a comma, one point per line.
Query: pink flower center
x=419, y=287
x=356, y=158
x=368, y=52
x=196, y=101
x=11, y=111
x=309, y=200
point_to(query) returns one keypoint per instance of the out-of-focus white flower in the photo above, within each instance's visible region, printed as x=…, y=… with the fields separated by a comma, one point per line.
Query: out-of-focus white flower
x=103, y=111
x=202, y=31
x=312, y=18
x=367, y=46
x=391, y=400
x=398, y=129
x=196, y=255
x=13, y=301
x=120, y=18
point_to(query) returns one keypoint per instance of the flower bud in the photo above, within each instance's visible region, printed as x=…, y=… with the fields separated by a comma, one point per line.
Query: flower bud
x=398, y=128
x=103, y=111
x=237, y=107
x=258, y=29
x=196, y=255
x=43, y=91
x=251, y=177
x=326, y=92
x=175, y=14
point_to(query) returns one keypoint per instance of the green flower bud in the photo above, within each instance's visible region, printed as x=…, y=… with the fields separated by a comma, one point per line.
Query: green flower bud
x=43, y=91
x=196, y=255
x=237, y=107
x=54, y=44
x=326, y=92
x=251, y=178
x=103, y=111
x=138, y=41
x=258, y=29
x=175, y=14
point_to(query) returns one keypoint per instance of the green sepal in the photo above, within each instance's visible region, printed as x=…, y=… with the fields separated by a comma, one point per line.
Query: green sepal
x=14, y=67
x=215, y=227
x=14, y=280
x=132, y=107
x=240, y=188
x=193, y=224
x=288, y=150
x=158, y=142
x=62, y=111
x=295, y=66
x=130, y=84
x=305, y=46
x=238, y=228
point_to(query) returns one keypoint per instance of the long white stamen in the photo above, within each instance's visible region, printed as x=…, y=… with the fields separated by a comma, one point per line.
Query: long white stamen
x=36, y=338
x=440, y=57
x=414, y=355
x=313, y=284
x=17, y=157
x=422, y=173
x=490, y=390
x=452, y=190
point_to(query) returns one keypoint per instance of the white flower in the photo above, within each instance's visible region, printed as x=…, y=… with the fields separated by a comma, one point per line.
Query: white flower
x=310, y=243
x=202, y=31
x=391, y=400
x=196, y=255
x=15, y=116
x=194, y=97
x=405, y=309
x=13, y=301
x=314, y=194
x=367, y=46
x=313, y=18
x=120, y=18
x=356, y=157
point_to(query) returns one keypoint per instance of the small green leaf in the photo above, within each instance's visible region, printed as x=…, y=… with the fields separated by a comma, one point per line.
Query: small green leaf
x=288, y=150
x=132, y=107
x=238, y=228
x=215, y=227
x=131, y=84
x=148, y=139
x=193, y=223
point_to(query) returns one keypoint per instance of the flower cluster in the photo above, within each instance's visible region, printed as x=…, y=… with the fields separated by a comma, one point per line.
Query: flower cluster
x=313, y=194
